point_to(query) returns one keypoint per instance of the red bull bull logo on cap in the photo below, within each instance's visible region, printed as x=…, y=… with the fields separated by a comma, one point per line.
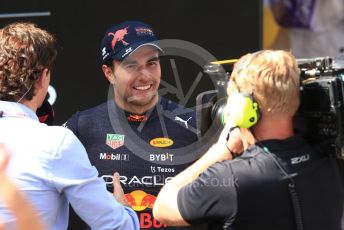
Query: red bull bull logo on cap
x=118, y=36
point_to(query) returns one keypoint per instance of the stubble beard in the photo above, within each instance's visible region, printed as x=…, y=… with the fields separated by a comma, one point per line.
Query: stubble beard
x=149, y=98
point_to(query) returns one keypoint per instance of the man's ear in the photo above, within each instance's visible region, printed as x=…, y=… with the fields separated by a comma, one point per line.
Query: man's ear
x=43, y=77
x=110, y=76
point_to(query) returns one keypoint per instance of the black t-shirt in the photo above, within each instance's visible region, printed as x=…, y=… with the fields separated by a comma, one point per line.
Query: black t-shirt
x=146, y=149
x=251, y=191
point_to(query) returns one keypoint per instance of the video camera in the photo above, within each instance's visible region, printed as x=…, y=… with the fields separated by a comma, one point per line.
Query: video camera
x=320, y=117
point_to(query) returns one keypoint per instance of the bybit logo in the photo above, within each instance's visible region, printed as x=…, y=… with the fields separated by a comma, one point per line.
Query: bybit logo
x=161, y=157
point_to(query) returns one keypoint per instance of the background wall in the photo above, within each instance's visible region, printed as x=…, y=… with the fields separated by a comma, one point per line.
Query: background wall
x=226, y=29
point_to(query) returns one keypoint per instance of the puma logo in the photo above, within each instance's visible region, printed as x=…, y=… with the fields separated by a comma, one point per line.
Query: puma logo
x=183, y=121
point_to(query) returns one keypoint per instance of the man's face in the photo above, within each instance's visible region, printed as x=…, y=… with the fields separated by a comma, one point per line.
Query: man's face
x=136, y=80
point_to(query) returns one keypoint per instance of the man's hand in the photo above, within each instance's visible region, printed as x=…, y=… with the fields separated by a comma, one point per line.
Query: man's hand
x=118, y=192
x=234, y=139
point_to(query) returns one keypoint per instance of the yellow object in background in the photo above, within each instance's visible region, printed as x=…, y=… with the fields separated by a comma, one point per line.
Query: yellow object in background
x=270, y=28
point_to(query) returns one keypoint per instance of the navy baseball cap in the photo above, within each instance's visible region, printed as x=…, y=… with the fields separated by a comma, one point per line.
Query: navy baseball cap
x=123, y=39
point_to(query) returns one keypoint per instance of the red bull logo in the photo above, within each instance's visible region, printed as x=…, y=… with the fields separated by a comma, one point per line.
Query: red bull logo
x=144, y=31
x=137, y=118
x=147, y=221
x=140, y=201
x=118, y=36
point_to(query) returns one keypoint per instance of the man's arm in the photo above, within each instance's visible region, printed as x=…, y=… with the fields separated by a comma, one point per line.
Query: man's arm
x=74, y=175
x=166, y=206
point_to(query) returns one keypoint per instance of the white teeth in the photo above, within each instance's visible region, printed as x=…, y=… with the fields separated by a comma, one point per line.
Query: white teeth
x=145, y=87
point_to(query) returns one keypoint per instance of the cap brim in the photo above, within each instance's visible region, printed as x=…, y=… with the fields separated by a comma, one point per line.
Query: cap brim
x=135, y=47
x=147, y=44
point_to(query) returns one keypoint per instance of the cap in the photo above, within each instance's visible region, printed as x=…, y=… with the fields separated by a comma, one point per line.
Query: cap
x=122, y=40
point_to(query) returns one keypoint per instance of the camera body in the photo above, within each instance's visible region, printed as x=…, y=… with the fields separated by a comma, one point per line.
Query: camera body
x=320, y=117
x=321, y=114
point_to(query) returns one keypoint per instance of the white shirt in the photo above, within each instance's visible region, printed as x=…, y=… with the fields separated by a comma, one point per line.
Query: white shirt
x=51, y=167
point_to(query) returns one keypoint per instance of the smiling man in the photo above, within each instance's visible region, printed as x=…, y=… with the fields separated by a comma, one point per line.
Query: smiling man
x=137, y=79
x=136, y=132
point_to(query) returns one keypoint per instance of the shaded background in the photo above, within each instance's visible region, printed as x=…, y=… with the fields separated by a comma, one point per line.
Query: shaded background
x=226, y=29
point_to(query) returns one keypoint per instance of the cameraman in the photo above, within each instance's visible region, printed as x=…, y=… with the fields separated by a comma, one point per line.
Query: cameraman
x=278, y=181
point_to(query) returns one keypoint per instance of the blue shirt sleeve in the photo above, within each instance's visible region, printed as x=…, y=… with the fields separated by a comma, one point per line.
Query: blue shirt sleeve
x=75, y=177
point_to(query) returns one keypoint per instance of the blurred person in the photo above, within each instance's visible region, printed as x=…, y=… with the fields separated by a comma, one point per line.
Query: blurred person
x=48, y=163
x=23, y=211
x=311, y=28
x=260, y=174
x=116, y=133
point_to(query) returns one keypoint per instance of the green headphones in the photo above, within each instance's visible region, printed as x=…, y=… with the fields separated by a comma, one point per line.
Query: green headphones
x=244, y=110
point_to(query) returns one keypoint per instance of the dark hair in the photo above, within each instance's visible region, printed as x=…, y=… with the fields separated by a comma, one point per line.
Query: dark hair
x=25, y=51
x=109, y=63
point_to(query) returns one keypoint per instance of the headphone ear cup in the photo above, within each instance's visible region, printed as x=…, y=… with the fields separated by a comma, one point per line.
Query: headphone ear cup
x=243, y=110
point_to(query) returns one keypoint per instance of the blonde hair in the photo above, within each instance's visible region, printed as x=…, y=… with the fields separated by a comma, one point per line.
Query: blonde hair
x=272, y=77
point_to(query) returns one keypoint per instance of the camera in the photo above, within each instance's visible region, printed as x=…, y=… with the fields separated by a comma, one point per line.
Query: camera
x=210, y=105
x=319, y=118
